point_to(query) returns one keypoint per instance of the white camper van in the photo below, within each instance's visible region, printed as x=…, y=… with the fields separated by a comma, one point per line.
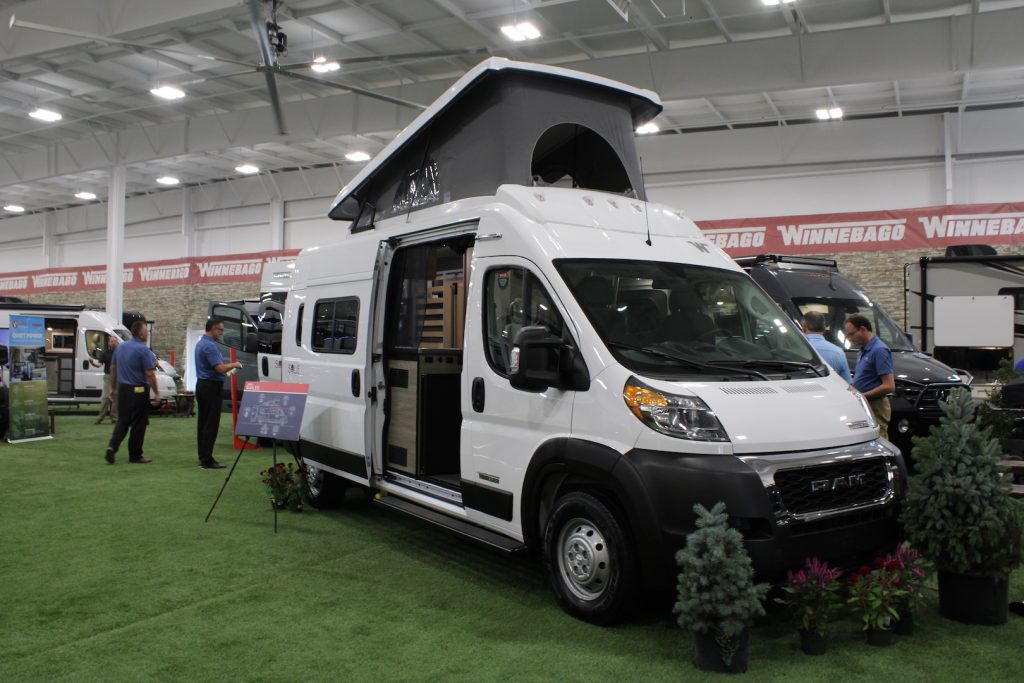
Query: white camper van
x=510, y=342
x=75, y=337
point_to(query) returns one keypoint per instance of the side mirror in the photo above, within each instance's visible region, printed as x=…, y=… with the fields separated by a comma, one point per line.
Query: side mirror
x=910, y=336
x=540, y=360
x=251, y=343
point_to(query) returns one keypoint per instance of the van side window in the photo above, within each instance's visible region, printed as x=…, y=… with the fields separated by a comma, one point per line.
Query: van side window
x=235, y=326
x=334, y=325
x=298, y=325
x=513, y=299
x=95, y=343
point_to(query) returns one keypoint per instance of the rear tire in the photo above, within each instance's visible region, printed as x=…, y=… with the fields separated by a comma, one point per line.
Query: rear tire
x=324, y=490
x=588, y=559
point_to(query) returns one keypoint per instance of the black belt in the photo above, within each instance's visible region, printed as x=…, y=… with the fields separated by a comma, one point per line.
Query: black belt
x=218, y=381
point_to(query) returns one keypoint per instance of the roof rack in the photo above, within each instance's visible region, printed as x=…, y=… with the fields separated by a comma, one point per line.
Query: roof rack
x=747, y=261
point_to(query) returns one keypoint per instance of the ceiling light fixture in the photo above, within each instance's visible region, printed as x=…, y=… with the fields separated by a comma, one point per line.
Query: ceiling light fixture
x=247, y=169
x=648, y=128
x=85, y=195
x=167, y=180
x=520, y=32
x=322, y=66
x=45, y=115
x=357, y=156
x=835, y=112
x=831, y=113
x=14, y=208
x=168, y=92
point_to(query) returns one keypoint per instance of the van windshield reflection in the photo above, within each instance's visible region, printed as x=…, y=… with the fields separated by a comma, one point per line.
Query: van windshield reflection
x=677, y=319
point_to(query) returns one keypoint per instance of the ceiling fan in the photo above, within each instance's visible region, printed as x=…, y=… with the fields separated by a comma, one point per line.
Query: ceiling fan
x=272, y=42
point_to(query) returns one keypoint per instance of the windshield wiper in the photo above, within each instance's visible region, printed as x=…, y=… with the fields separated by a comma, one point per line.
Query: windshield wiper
x=769, y=363
x=685, y=361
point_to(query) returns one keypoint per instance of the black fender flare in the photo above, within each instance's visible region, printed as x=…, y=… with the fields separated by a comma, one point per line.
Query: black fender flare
x=606, y=469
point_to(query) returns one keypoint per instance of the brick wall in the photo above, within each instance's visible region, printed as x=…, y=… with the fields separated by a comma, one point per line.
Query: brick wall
x=172, y=309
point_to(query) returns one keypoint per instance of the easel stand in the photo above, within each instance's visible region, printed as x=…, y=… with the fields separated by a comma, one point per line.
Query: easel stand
x=232, y=471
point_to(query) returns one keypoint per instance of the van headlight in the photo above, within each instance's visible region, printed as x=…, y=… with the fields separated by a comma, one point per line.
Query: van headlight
x=684, y=417
x=865, y=405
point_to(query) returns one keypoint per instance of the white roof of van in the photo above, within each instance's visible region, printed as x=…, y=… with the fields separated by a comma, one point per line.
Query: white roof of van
x=492, y=64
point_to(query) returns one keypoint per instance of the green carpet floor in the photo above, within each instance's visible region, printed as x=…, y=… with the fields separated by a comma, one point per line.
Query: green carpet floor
x=110, y=574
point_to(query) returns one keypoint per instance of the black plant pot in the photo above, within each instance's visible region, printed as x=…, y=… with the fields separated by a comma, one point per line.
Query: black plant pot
x=973, y=599
x=813, y=643
x=728, y=656
x=905, y=625
x=879, y=637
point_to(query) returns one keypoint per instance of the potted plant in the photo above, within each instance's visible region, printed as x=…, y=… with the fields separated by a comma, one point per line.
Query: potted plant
x=284, y=482
x=912, y=573
x=874, y=596
x=958, y=512
x=812, y=595
x=717, y=597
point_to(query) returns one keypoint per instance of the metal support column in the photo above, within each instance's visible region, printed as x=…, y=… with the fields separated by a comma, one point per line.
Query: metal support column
x=115, y=242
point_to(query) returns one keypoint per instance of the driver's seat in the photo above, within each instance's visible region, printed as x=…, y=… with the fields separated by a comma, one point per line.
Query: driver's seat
x=688, y=321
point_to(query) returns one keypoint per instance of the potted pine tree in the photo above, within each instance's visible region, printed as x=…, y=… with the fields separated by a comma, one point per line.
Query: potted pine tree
x=958, y=512
x=717, y=596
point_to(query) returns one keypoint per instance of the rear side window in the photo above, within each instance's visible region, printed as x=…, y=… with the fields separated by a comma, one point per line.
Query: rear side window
x=236, y=326
x=334, y=325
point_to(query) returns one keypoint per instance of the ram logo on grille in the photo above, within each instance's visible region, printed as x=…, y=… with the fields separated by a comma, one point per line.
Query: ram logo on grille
x=836, y=483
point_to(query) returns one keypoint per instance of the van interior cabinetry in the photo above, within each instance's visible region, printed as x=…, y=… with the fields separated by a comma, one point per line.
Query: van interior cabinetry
x=423, y=437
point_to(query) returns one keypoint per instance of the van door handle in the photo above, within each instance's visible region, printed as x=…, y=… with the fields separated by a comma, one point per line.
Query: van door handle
x=477, y=394
x=356, y=391
x=85, y=365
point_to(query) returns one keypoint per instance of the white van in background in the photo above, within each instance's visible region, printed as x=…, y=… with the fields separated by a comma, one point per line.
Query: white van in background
x=75, y=337
x=491, y=349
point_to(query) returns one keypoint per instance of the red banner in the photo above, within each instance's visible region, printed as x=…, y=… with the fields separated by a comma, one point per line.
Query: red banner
x=925, y=228
x=184, y=271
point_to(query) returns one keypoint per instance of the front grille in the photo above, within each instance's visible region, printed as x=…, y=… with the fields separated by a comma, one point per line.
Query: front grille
x=829, y=487
x=925, y=398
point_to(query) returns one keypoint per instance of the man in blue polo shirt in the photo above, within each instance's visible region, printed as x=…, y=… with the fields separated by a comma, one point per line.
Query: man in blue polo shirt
x=133, y=367
x=872, y=376
x=814, y=330
x=210, y=372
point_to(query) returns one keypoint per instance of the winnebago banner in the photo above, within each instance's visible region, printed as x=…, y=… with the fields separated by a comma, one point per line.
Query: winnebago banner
x=183, y=271
x=933, y=227
x=26, y=396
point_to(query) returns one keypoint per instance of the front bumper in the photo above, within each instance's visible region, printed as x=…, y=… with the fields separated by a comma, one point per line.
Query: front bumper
x=840, y=505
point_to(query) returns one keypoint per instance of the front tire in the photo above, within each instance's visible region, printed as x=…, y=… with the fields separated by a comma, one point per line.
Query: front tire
x=323, y=489
x=588, y=559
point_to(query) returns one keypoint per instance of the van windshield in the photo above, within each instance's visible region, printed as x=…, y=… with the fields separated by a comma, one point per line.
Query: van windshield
x=836, y=311
x=675, y=319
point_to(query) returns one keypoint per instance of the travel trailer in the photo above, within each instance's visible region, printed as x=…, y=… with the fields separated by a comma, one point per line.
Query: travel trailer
x=489, y=346
x=75, y=338
x=800, y=284
x=967, y=309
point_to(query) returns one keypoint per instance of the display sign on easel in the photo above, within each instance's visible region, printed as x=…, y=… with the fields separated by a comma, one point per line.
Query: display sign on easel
x=27, y=397
x=272, y=410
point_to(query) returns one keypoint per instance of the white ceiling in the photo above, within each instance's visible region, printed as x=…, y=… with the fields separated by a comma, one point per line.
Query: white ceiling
x=716, y=63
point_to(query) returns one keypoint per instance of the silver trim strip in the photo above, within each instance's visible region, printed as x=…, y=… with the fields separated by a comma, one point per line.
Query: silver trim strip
x=424, y=487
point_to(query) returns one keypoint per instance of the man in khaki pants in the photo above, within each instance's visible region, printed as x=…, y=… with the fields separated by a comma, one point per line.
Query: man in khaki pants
x=109, y=405
x=873, y=375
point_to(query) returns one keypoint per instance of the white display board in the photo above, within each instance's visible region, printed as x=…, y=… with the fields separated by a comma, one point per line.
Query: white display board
x=974, y=321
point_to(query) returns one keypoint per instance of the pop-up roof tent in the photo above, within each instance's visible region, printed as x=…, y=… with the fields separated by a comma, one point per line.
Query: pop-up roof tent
x=506, y=122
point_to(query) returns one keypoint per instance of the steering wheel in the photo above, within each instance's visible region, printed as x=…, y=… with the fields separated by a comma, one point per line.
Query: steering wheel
x=711, y=333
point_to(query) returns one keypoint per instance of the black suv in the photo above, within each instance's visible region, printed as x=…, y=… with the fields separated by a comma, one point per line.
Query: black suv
x=799, y=284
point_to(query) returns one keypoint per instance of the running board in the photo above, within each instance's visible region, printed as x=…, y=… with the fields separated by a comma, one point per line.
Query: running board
x=464, y=529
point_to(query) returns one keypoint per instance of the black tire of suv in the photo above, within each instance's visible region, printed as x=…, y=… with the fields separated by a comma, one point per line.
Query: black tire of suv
x=604, y=564
x=323, y=489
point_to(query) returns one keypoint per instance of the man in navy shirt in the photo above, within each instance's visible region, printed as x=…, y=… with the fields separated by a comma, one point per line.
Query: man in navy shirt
x=133, y=365
x=210, y=371
x=872, y=376
x=814, y=330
